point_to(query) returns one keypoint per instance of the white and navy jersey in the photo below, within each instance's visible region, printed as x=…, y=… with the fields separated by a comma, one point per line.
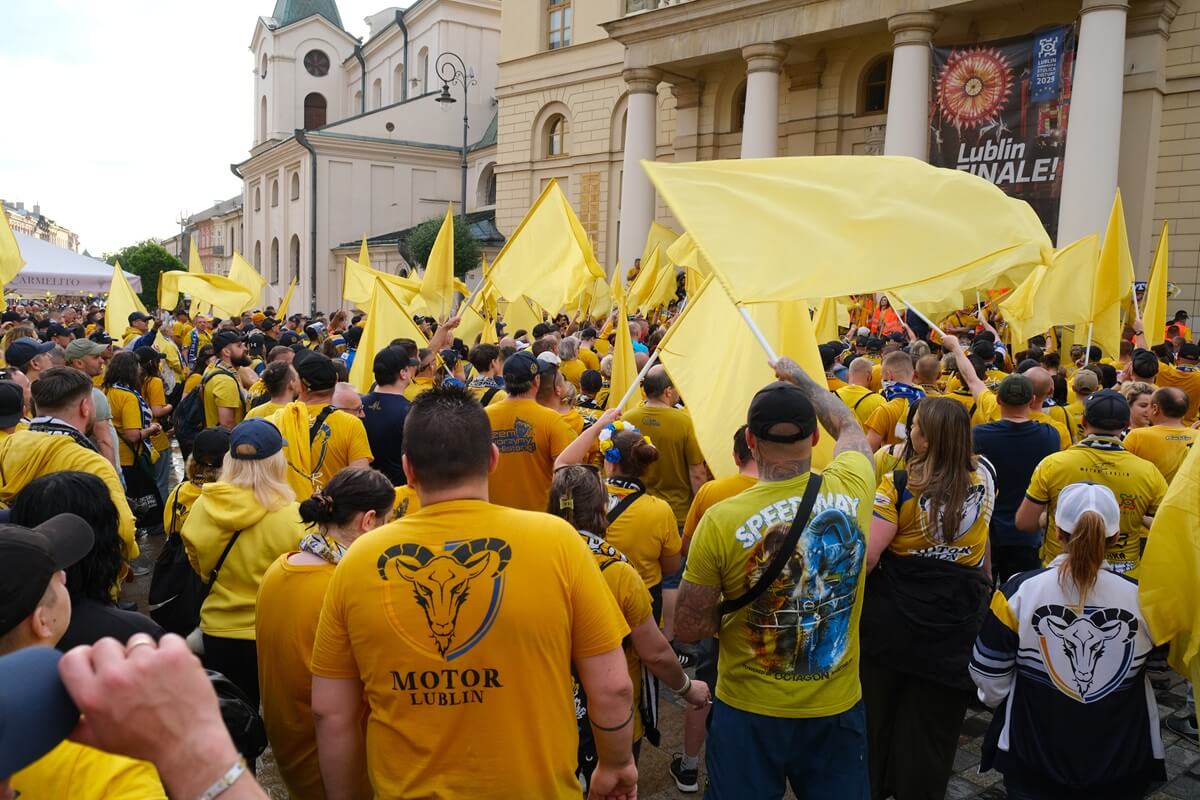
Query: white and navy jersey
x=1075, y=707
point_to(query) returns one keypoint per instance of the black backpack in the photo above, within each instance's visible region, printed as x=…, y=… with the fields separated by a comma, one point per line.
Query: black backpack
x=188, y=417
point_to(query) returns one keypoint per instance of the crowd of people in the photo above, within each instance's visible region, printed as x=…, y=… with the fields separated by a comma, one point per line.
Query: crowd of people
x=479, y=580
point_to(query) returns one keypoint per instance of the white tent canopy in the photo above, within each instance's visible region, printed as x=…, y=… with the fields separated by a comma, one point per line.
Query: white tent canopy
x=54, y=269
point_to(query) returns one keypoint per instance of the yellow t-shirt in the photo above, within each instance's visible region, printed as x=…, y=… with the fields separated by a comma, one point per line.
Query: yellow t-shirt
x=877, y=377
x=590, y=359
x=1138, y=485
x=890, y=420
x=126, y=415
x=1164, y=446
x=674, y=436
x=265, y=410
x=887, y=461
x=479, y=392
x=407, y=502
x=1064, y=432
x=155, y=395
x=793, y=652
x=223, y=391
x=289, y=607
x=342, y=439
x=919, y=535
x=711, y=493
x=861, y=400
x=1186, y=378
x=572, y=370
x=192, y=381
x=636, y=607
x=574, y=421
x=530, y=437
x=1076, y=411
x=417, y=387
x=80, y=772
x=459, y=619
x=992, y=379
x=987, y=409
x=645, y=531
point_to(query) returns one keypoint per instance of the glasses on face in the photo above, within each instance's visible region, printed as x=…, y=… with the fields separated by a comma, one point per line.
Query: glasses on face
x=356, y=410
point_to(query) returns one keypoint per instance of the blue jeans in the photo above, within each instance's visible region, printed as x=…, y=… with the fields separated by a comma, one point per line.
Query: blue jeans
x=751, y=755
x=673, y=580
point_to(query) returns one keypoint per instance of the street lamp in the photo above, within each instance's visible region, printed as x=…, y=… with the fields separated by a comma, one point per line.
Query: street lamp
x=457, y=73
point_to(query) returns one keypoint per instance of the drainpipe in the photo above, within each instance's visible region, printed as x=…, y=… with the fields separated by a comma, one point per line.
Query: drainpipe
x=234, y=169
x=312, y=220
x=404, y=31
x=362, y=67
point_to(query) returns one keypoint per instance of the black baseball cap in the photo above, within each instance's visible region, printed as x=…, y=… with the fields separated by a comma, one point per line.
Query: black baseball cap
x=874, y=343
x=781, y=403
x=1190, y=351
x=137, y=316
x=1015, y=390
x=1144, y=363
x=24, y=350
x=226, y=338
x=36, y=713
x=828, y=355
x=210, y=446
x=147, y=355
x=267, y=324
x=1107, y=410
x=55, y=329
x=984, y=349
x=12, y=403
x=392, y=359
x=288, y=338
x=316, y=371
x=29, y=557
x=523, y=367
x=100, y=337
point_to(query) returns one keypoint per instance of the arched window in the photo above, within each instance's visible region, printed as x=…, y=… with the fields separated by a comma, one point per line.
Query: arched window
x=556, y=136
x=424, y=60
x=262, y=119
x=314, y=110
x=274, y=261
x=262, y=70
x=294, y=258
x=875, y=87
x=257, y=199
x=398, y=84
x=485, y=195
x=295, y=186
x=258, y=256
x=737, y=114
x=377, y=93
x=274, y=193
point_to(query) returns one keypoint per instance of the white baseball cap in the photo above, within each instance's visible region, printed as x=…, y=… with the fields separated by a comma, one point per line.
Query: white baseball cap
x=1077, y=498
x=549, y=357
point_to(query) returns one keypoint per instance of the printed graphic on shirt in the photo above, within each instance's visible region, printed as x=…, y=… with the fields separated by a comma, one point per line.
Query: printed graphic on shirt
x=1087, y=655
x=460, y=590
x=800, y=626
x=517, y=439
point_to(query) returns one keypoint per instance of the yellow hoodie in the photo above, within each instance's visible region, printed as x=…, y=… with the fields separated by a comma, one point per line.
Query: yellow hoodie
x=221, y=509
x=25, y=455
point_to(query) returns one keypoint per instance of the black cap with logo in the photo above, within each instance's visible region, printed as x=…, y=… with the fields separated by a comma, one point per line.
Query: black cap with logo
x=781, y=403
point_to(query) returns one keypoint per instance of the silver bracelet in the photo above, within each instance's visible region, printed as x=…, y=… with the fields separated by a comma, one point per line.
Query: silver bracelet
x=225, y=781
x=683, y=690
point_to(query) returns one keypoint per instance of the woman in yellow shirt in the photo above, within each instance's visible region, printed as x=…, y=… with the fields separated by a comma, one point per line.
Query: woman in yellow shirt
x=642, y=527
x=357, y=500
x=243, y=522
x=155, y=393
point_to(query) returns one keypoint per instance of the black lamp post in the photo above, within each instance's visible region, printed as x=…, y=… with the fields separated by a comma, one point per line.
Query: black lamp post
x=451, y=72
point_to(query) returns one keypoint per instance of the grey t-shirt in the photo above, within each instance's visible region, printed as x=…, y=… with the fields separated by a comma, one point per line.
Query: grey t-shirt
x=104, y=417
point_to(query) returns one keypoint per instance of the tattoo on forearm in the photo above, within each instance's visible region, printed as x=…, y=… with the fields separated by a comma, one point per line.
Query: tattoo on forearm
x=696, y=615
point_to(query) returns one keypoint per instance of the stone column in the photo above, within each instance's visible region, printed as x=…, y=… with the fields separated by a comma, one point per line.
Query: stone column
x=908, y=100
x=1094, y=130
x=760, y=127
x=687, y=118
x=1146, y=32
x=637, y=193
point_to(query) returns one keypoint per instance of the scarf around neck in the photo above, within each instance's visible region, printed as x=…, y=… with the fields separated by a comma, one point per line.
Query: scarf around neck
x=908, y=392
x=324, y=547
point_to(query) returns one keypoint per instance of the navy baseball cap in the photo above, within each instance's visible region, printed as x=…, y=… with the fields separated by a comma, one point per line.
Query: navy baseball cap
x=1107, y=410
x=523, y=367
x=36, y=713
x=25, y=349
x=254, y=440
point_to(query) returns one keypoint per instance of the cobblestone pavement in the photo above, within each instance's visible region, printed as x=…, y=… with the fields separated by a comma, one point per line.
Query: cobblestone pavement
x=1183, y=757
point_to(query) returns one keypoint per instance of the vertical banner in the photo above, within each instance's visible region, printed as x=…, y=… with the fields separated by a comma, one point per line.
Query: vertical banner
x=999, y=111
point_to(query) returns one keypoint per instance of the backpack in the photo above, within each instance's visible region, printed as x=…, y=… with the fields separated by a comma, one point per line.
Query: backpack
x=188, y=417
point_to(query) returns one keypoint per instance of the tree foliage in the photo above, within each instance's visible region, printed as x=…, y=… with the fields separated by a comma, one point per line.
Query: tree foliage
x=146, y=260
x=419, y=244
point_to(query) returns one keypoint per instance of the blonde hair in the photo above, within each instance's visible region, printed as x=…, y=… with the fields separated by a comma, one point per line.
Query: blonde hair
x=1085, y=548
x=266, y=477
x=1134, y=389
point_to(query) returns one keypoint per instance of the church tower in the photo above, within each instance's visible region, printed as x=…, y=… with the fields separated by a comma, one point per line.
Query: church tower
x=299, y=78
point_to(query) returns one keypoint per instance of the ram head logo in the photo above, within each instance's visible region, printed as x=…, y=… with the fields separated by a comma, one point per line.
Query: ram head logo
x=441, y=583
x=1084, y=639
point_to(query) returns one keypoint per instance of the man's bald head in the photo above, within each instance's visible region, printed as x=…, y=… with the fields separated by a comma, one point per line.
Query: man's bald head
x=657, y=381
x=1168, y=404
x=860, y=372
x=1043, y=384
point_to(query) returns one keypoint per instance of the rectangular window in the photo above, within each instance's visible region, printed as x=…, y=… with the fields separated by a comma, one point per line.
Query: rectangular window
x=559, y=23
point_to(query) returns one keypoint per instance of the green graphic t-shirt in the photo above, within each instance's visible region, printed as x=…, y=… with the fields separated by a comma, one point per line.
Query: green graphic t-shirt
x=793, y=652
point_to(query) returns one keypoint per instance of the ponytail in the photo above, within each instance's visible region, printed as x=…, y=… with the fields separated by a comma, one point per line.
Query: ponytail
x=1085, y=548
x=353, y=491
x=637, y=454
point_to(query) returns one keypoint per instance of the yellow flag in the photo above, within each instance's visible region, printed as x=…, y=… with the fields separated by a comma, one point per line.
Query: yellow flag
x=1169, y=572
x=546, y=253
x=643, y=284
x=624, y=366
x=243, y=274
x=521, y=315
x=863, y=220
x=281, y=312
x=437, y=285
x=1114, y=282
x=660, y=236
x=122, y=301
x=364, y=256
x=825, y=326
x=10, y=257
x=944, y=294
x=196, y=267
x=1057, y=293
x=215, y=290
x=1154, y=314
x=358, y=284
x=387, y=319
x=718, y=407
x=663, y=290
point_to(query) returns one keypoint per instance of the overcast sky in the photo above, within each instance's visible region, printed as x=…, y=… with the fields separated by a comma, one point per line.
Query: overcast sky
x=116, y=117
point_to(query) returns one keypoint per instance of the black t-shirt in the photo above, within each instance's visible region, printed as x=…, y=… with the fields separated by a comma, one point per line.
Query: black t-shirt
x=384, y=421
x=1015, y=449
x=92, y=621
